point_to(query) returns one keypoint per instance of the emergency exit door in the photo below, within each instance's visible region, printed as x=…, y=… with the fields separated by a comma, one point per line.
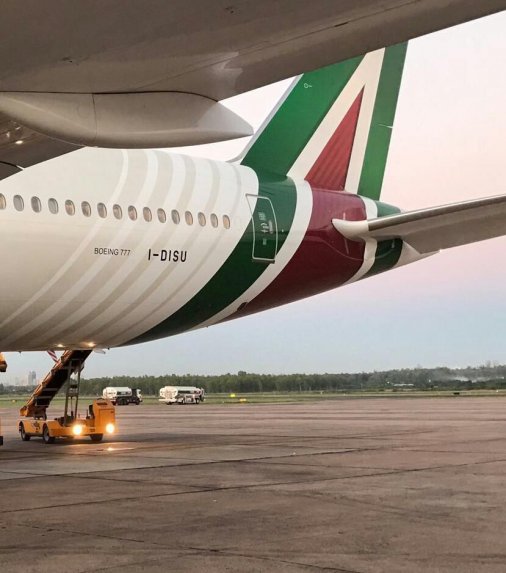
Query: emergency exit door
x=265, y=229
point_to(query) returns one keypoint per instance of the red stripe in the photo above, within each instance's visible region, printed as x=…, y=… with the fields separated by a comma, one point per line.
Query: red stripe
x=331, y=168
x=323, y=261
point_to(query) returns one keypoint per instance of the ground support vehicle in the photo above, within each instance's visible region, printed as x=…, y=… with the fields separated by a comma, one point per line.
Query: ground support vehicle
x=181, y=395
x=122, y=395
x=98, y=420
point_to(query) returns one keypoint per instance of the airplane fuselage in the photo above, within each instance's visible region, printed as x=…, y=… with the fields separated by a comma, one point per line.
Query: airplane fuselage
x=156, y=244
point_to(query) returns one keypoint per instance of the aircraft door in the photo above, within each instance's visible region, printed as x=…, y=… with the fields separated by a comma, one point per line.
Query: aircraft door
x=265, y=229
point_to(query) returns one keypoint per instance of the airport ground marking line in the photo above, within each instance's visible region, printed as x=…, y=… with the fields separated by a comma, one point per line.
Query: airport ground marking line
x=80, y=475
x=234, y=487
x=188, y=551
x=221, y=552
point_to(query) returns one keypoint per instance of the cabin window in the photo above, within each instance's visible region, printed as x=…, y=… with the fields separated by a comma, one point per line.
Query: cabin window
x=132, y=212
x=175, y=216
x=214, y=219
x=70, y=207
x=52, y=206
x=36, y=205
x=202, y=219
x=146, y=213
x=86, y=209
x=188, y=217
x=19, y=204
x=162, y=217
x=226, y=221
x=3, y=202
x=117, y=211
x=102, y=210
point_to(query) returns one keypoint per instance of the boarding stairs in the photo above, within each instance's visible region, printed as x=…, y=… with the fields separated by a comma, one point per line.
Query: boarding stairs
x=70, y=362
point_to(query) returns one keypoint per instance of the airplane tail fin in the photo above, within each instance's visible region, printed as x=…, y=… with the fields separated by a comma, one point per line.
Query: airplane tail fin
x=333, y=125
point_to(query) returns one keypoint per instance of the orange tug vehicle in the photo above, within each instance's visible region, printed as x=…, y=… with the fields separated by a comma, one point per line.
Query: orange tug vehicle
x=100, y=417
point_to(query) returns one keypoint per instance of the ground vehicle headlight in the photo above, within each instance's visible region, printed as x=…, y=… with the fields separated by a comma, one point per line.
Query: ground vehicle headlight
x=109, y=428
x=77, y=429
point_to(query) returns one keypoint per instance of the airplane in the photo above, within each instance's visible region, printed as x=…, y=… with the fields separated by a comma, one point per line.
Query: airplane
x=106, y=247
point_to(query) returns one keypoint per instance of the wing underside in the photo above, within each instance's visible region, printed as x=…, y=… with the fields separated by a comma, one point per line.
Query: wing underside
x=56, y=54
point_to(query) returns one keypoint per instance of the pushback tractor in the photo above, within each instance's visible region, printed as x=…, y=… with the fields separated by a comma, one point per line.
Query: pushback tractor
x=98, y=420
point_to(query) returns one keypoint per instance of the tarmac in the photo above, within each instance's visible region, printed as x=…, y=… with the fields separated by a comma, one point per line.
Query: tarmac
x=351, y=485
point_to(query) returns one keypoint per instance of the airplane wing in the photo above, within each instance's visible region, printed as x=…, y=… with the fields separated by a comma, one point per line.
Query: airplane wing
x=430, y=230
x=125, y=73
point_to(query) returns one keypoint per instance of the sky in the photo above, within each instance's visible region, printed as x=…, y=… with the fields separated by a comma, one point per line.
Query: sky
x=448, y=145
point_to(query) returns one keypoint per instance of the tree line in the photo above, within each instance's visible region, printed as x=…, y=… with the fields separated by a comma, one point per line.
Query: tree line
x=487, y=376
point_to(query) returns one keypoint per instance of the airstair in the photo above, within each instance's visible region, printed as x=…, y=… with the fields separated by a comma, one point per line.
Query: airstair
x=70, y=362
x=99, y=418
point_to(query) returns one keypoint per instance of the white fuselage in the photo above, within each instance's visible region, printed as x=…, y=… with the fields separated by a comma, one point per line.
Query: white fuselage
x=75, y=279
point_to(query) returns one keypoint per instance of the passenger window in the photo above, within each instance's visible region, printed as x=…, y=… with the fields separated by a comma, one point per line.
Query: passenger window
x=175, y=216
x=162, y=217
x=214, y=219
x=132, y=212
x=202, y=219
x=146, y=213
x=70, y=207
x=19, y=204
x=117, y=212
x=53, y=206
x=36, y=205
x=86, y=208
x=188, y=218
x=3, y=202
x=102, y=210
x=226, y=221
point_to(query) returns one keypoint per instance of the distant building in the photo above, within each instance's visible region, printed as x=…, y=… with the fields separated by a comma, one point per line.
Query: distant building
x=31, y=378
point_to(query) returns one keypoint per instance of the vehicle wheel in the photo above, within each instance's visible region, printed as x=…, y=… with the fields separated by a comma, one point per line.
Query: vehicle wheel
x=24, y=436
x=48, y=439
x=96, y=437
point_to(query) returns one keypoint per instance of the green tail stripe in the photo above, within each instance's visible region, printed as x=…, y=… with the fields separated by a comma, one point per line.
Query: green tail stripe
x=378, y=142
x=298, y=117
x=238, y=272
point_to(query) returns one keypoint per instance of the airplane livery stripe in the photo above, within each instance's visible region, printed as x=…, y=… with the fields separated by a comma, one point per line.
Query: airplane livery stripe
x=331, y=168
x=238, y=272
x=288, y=132
x=378, y=142
x=112, y=285
x=387, y=252
x=176, y=288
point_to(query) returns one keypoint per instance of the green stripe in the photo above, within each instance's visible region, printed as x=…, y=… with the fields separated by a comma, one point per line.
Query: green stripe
x=238, y=272
x=387, y=252
x=298, y=117
x=378, y=142
x=387, y=256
